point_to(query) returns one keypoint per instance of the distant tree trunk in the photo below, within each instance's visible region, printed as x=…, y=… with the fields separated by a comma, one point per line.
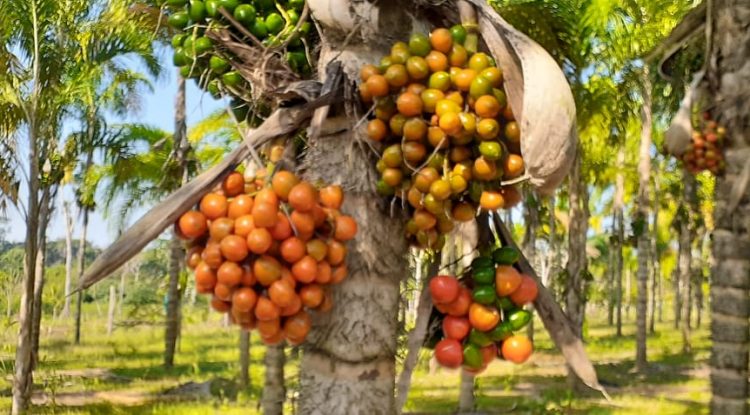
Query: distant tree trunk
x=466, y=392
x=577, y=259
x=684, y=257
x=23, y=379
x=416, y=337
x=274, y=392
x=81, y=267
x=172, y=329
x=554, y=250
x=698, y=274
x=244, y=359
x=531, y=208
x=730, y=279
x=111, y=309
x=619, y=239
x=644, y=246
x=44, y=216
x=610, y=288
x=677, y=294
x=68, y=218
x=655, y=258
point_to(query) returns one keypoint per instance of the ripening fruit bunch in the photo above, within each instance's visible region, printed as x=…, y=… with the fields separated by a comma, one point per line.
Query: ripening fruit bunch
x=268, y=250
x=271, y=22
x=447, y=133
x=705, y=152
x=483, y=312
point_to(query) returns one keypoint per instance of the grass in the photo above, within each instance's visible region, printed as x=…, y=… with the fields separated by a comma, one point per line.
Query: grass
x=122, y=374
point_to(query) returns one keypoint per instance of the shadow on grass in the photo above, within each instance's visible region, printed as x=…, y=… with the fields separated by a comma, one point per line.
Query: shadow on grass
x=161, y=372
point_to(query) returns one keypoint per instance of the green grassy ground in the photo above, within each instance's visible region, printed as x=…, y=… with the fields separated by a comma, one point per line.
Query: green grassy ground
x=122, y=374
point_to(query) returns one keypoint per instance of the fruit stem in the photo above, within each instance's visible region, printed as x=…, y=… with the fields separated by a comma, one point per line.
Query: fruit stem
x=469, y=22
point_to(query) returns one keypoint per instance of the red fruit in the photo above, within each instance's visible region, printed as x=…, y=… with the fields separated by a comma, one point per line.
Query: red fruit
x=444, y=289
x=488, y=353
x=449, y=353
x=456, y=327
x=460, y=307
x=526, y=292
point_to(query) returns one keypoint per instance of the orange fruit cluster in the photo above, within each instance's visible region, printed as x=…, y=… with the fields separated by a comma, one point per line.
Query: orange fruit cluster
x=705, y=151
x=267, y=250
x=481, y=312
x=448, y=135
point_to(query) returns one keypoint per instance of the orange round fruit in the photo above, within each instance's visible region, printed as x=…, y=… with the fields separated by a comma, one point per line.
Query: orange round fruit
x=282, y=183
x=331, y=196
x=491, y=200
x=484, y=169
x=437, y=61
x=512, y=132
x=324, y=273
x=507, y=280
x=193, y=257
x=205, y=275
x=265, y=214
x=409, y=104
x=339, y=273
x=305, y=269
x=526, y=291
x=233, y=184
x=511, y=195
x=243, y=225
x=513, y=166
x=377, y=86
x=312, y=295
x=239, y=206
x=266, y=270
x=220, y=305
x=193, y=224
x=212, y=254
x=487, y=106
x=517, y=349
x=281, y=293
x=293, y=308
x=282, y=229
x=377, y=130
x=303, y=222
x=223, y=291
x=220, y=228
x=488, y=129
x=303, y=197
x=464, y=78
x=229, y=273
x=234, y=248
x=244, y=299
x=396, y=75
x=367, y=71
x=214, y=206
x=298, y=325
x=483, y=318
x=345, y=228
x=463, y=212
x=266, y=310
x=292, y=249
x=415, y=129
x=336, y=252
x=441, y=40
x=424, y=220
x=259, y=240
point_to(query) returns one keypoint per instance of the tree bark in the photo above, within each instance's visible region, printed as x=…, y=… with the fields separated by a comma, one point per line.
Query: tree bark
x=531, y=208
x=244, y=359
x=730, y=280
x=466, y=393
x=23, y=378
x=644, y=246
x=172, y=327
x=655, y=257
x=111, y=310
x=68, y=218
x=274, y=393
x=577, y=259
x=619, y=239
x=39, y=269
x=81, y=267
x=416, y=338
x=349, y=364
x=684, y=258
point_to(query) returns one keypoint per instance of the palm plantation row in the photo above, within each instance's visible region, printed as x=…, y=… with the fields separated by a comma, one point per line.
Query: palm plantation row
x=629, y=228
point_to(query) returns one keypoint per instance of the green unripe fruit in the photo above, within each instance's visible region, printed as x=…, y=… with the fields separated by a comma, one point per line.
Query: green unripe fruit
x=218, y=64
x=179, y=20
x=232, y=78
x=197, y=11
x=274, y=23
x=245, y=14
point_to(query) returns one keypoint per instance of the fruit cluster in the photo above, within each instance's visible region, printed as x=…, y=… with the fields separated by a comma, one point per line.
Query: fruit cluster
x=483, y=312
x=268, y=251
x=448, y=135
x=705, y=151
x=273, y=23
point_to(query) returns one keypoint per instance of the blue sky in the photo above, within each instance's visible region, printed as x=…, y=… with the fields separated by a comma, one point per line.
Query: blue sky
x=157, y=109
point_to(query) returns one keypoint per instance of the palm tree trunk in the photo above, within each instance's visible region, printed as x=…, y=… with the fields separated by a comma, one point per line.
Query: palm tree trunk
x=44, y=216
x=274, y=392
x=554, y=251
x=416, y=337
x=529, y=243
x=654, y=255
x=466, y=393
x=349, y=366
x=644, y=246
x=619, y=240
x=244, y=359
x=684, y=261
x=172, y=329
x=730, y=279
x=68, y=257
x=81, y=267
x=577, y=259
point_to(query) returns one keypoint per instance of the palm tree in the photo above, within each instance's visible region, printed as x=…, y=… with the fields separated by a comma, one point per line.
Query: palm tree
x=728, y=79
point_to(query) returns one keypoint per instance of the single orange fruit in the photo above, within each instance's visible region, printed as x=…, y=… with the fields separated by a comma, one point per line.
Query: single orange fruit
x=193, y=224
x=305, y=269
x=214, y=206
x=377, y=130
x=409, y=104
x=345, y=228
x=367, y=71
x=491, y=200
x=266, y=310
x=266, y=270
x=239, y=206
x=303, y=222
x=233, y=184
x=282, y=183
x=437, y=61
x=487, y=106
x=244, y=299
x=336, y=252
x=441, y=40
x=205, y=275
x=312, y=295
x=281, y=293
x=229, y=273
x=377, y=86
x=234, y=248
x=282, y=229
x=259, y=240
x=331, y=196
x=243, y=225
x=265, y=214
x=513, y=166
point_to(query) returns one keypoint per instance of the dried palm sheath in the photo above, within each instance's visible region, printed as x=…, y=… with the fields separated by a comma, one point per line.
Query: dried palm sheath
x=540, y=97
x=555, y=321
x=283, y=121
